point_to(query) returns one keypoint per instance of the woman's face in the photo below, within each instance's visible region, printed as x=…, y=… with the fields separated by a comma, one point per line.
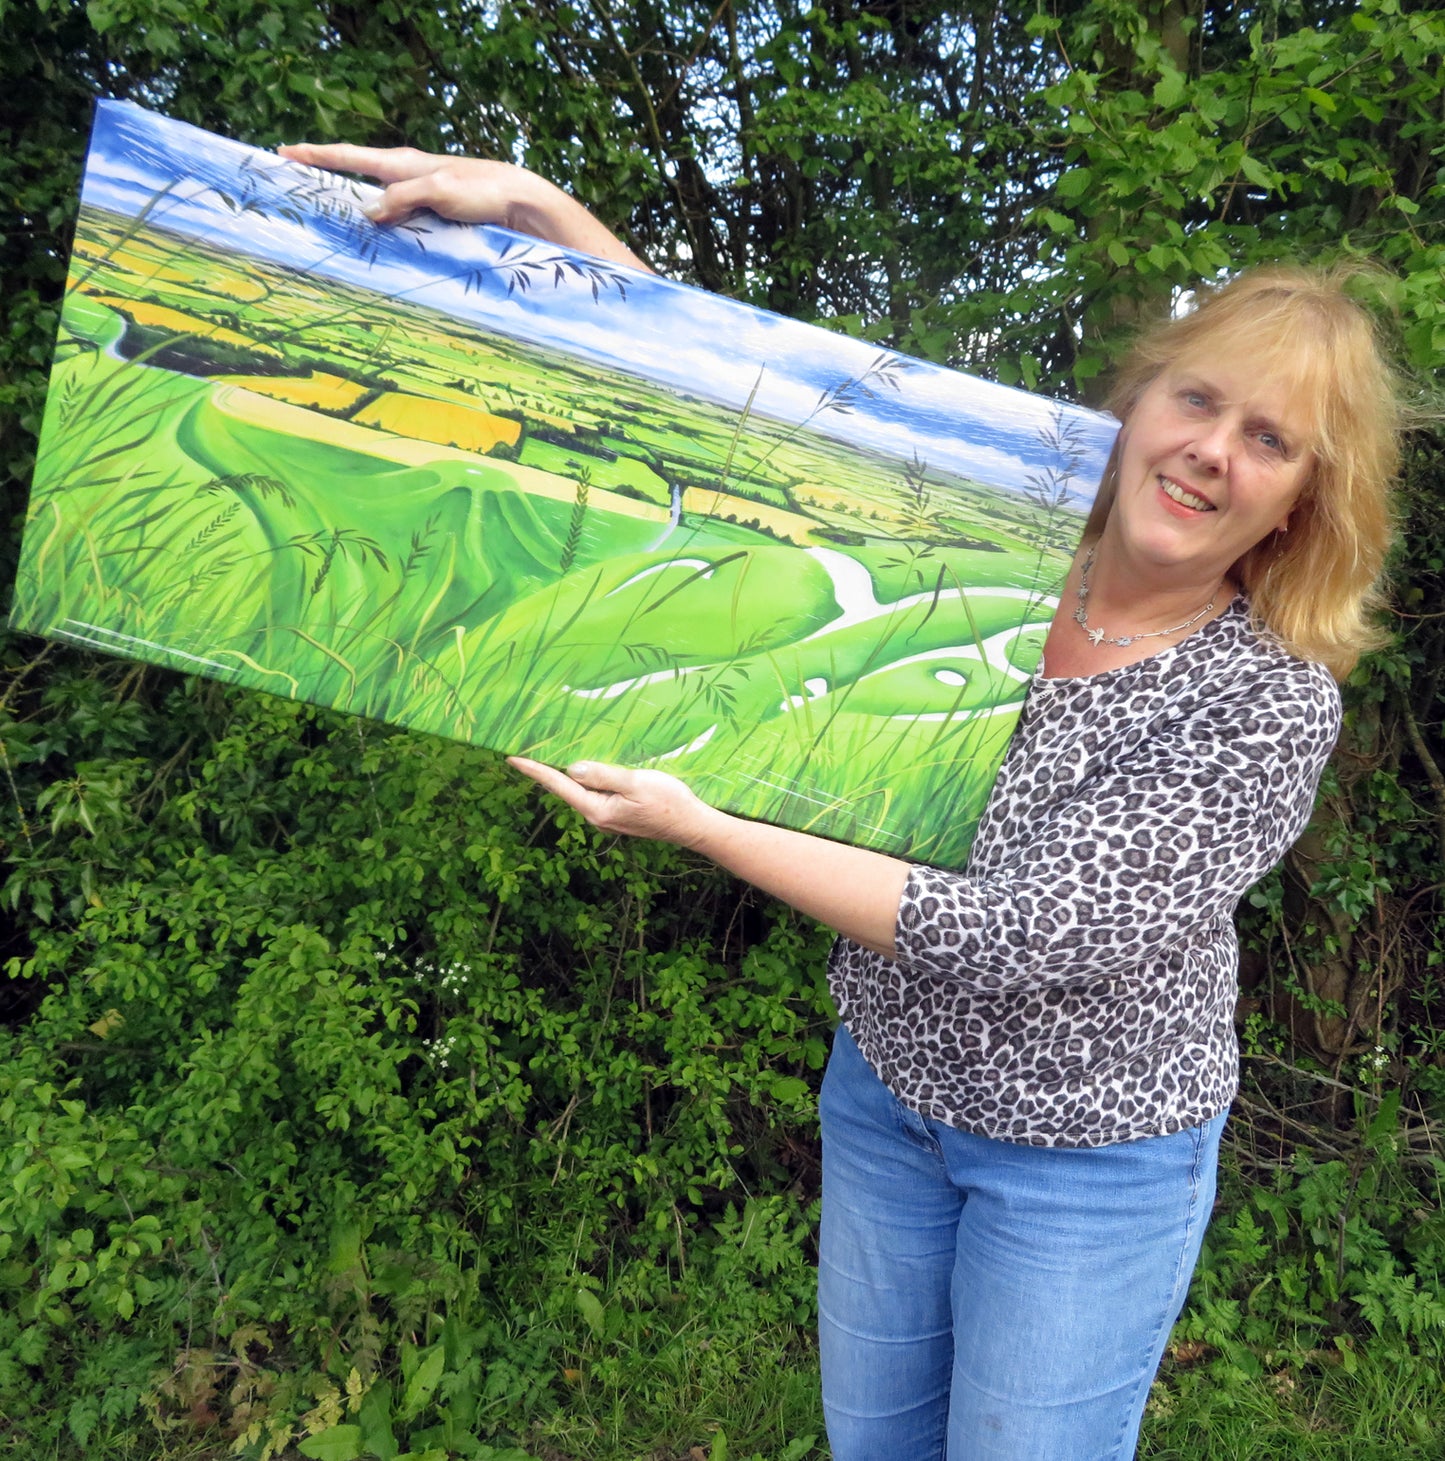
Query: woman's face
x=1211, y=461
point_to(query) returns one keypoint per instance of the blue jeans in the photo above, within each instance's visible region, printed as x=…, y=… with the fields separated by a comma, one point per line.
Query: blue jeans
x=982, y=1299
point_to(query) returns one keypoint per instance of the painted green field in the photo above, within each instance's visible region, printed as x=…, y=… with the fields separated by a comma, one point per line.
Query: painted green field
x=255, y=475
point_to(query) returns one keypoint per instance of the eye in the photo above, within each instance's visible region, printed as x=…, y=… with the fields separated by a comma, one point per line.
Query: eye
x=1272, y=441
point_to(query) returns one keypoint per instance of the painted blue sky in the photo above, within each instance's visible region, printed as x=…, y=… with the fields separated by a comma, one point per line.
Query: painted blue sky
x=252, y=202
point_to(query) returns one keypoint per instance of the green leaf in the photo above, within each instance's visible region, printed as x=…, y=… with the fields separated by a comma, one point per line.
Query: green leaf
x=82, y=1417
x=375, y=1420
x=1257, y=173
x=324, y=94
x=422, y=1385
x=365, y=104
x=345, y=1255
x=340, y=1443
x=592, y=1312
x=1321, y=100
x=101, y=15
x=1169, y=89
x=1074, y=183
x=788, y=1089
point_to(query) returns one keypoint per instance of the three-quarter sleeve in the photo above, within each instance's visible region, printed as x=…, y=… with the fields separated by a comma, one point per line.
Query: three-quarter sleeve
x=1140, y=852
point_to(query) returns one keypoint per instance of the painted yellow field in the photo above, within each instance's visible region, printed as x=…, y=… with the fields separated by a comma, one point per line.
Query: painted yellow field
x=444, y=422
x=419, y=385
x=158, y=315
x=291, y=420
x=555, y=423
x=827, y=495
x=330, y=392
x=791, y=525
x=236, y=286
x=134, y=259
x=121, y=257
x=228, y=286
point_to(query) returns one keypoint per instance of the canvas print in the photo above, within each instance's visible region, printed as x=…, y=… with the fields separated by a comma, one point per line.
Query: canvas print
x=465, y=481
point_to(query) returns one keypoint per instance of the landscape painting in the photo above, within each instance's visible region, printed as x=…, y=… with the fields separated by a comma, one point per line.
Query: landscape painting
x=464, y=481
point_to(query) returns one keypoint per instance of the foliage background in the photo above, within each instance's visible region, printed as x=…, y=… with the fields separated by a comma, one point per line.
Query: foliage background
x=357, y=1103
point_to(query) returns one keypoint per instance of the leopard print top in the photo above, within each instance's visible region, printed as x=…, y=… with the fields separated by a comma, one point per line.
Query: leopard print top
x=1076, y=985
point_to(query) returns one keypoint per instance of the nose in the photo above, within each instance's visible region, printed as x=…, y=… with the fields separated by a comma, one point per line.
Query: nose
x=1209, y=451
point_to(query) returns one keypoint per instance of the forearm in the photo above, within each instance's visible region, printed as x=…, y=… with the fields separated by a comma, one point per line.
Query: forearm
x=850, y=889
x=549, y=213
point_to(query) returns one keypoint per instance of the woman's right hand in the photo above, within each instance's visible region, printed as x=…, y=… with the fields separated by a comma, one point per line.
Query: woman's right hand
x=634, y=803
x=849, y=888
x=468, y=190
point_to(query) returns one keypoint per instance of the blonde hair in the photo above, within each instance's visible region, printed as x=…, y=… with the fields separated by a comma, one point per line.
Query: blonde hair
x=1315, y=589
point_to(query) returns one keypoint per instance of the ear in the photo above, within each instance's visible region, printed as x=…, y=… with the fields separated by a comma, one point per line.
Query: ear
x=1303, y=497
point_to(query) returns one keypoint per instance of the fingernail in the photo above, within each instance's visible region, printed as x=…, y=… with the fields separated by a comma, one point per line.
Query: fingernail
x=579, y=769
x=373, y=211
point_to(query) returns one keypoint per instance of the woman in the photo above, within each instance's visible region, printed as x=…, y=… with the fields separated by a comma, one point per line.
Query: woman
x=1023, y=1107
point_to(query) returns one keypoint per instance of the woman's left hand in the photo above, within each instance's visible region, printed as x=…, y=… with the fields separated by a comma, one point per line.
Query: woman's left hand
x=635, y=803
x=468, y=190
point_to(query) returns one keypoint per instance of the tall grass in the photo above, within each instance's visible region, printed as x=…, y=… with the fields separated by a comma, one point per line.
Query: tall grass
x=165, y=527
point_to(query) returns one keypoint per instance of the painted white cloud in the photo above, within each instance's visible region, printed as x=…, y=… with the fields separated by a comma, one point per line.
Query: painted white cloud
x=684, y=338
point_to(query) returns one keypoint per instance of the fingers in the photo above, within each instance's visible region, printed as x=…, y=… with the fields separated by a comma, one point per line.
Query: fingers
x=549, y=778
x=468, y=190
x=589, y=787
x=467, y=199
x=618, y=799
x=598, y=776
x=387, y=164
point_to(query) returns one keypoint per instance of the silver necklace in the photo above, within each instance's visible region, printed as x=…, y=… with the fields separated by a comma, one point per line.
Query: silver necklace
x=1097, y=636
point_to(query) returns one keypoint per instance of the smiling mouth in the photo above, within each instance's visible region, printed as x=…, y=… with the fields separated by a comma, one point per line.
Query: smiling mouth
x=1175, y=493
